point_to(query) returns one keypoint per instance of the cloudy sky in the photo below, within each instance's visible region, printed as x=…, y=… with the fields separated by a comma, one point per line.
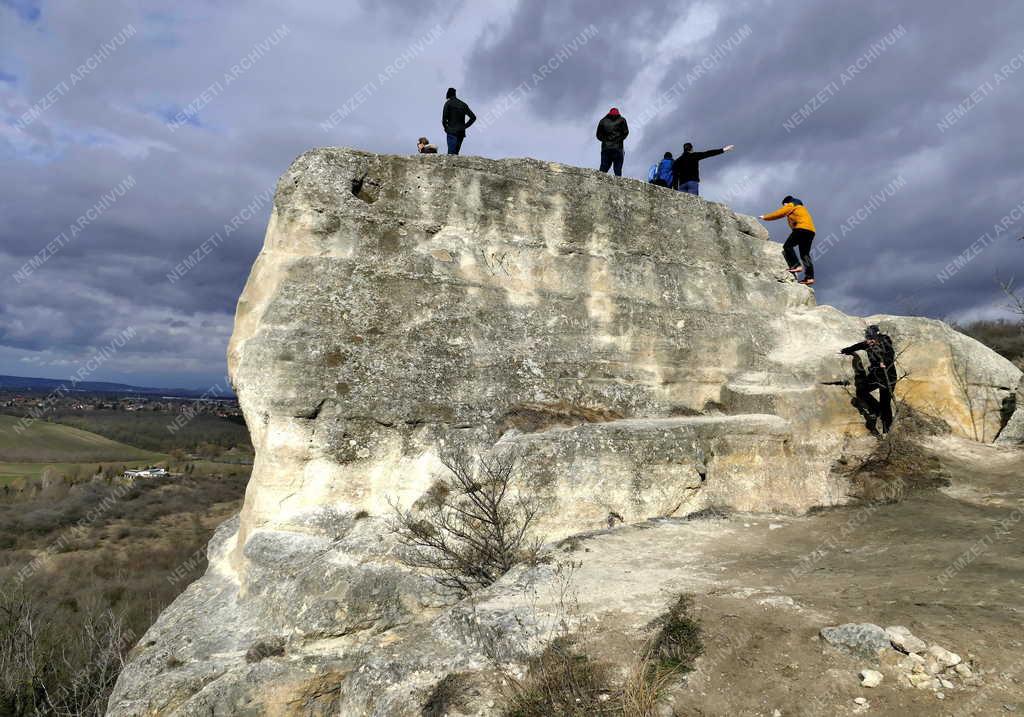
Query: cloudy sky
x=132, y=131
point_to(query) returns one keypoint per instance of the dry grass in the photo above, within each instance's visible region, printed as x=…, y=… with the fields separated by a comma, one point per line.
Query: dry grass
x=644, y=687
x=563, y=680
x=566, y=681
x=677, y=643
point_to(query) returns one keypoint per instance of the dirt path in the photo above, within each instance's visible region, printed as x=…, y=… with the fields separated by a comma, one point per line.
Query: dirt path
x=947, y=564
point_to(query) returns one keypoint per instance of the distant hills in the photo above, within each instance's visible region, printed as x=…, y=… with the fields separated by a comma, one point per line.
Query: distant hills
x=47, y=385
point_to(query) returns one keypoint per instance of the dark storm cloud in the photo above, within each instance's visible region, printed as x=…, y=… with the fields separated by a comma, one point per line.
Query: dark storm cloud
x=663, y=63
x=509, y=52
x=878, y=78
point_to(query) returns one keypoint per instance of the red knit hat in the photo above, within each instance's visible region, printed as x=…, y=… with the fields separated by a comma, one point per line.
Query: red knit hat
x=614, y=111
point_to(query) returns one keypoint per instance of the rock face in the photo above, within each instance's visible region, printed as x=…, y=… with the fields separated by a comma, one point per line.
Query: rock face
x=1013, y=433
x=645, y=352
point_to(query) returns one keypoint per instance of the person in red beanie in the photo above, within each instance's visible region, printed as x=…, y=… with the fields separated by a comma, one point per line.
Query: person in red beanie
x=611, y=130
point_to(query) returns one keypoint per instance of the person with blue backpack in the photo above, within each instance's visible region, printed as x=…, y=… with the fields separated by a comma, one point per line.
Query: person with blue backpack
x=661, y=173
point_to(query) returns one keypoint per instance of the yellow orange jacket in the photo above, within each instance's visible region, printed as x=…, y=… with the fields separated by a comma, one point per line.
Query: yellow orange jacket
x=796, y=214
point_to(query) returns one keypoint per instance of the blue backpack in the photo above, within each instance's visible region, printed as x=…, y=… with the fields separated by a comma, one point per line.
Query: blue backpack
x=652, y=173
x=665, y=171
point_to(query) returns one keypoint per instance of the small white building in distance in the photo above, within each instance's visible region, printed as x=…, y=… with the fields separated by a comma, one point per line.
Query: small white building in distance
x=147, y=473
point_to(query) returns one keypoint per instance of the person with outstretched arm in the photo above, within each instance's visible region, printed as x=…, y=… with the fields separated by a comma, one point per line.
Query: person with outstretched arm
x=456, y=118
x=686, y=169
x=801, y=236
x=612, y=130
x=881, y=376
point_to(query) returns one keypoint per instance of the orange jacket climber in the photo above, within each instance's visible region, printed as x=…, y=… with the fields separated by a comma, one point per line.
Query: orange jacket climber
x=796, y=214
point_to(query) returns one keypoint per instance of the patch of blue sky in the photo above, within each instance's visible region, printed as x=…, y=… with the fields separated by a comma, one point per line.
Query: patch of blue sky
x=28, y=10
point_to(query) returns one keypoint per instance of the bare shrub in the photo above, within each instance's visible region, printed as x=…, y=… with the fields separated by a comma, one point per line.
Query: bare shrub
x=45, y=670
x=899, y=465
x=472, y=526
x=1016, y=300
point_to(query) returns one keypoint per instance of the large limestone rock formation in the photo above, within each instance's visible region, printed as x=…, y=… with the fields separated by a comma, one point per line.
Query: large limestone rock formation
x=644, y=351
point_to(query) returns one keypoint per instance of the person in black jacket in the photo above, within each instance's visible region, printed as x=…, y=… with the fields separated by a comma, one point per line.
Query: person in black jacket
x=611, y=130
x=881, y=377
x=454, y=120
x=686, y=171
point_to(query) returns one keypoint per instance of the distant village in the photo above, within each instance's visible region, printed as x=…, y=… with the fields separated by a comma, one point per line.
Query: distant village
x=25, y=400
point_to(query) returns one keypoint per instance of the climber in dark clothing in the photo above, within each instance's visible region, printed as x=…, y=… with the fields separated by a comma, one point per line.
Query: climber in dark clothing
x=686, y=172
x=880, y=376
x=862, y=400
x=454, y=120
x=612, y=130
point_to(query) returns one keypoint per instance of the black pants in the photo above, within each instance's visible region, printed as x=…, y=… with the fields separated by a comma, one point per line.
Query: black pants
x=882, y=408
x=455, y=143
x=801, y=238
x=610, y=157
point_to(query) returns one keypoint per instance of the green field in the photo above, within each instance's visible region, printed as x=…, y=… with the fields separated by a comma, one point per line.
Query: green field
x=17, y=473
x=63, y=450
x=150, y=429
x=43, y=442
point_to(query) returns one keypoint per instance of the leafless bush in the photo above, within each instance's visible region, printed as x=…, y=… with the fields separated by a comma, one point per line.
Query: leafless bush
x=472, y=526
x=44, y=670
x=899, y=464
x=980, y=397
x=1016, y=300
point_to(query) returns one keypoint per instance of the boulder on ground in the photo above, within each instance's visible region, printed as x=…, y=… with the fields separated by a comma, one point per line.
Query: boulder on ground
x=860, y=639
x=870, y=678
x=904, y=640
x=944, y=656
